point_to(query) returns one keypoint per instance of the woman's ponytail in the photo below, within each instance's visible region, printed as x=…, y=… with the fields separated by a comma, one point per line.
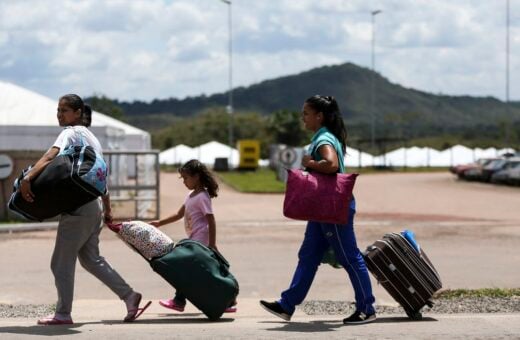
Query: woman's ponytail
x=332, y=118
x=86, y=116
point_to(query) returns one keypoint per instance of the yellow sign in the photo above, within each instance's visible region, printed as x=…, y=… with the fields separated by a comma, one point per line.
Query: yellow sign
x=249, y=150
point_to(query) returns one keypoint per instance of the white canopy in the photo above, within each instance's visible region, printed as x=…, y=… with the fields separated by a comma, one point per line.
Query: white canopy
x=177, y=155
x=205, y=153
x=413, y=157
x=28, y=122
x=356, y=158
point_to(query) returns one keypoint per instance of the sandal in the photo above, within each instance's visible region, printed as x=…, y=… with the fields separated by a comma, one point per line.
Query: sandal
x=171, y=304
x=133, y=314
x=51, y=320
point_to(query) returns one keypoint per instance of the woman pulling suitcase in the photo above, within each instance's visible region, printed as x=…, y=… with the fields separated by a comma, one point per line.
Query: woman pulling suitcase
x=321, y=115
x=78, y=231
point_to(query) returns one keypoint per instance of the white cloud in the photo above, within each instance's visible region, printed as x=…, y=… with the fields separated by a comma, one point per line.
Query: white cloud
x=147, y=49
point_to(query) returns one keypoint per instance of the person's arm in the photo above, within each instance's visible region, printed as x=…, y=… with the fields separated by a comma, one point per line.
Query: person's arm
x=41, y=164
x=329, y=163
x=212, y=227
x=170, y=219
x=107, y=209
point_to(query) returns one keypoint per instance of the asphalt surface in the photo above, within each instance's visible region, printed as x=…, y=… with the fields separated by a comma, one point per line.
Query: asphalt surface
x=470, y=231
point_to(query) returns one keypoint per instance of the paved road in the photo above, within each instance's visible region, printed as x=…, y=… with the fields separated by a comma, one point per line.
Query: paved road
x=469, y=230
x=99, y=319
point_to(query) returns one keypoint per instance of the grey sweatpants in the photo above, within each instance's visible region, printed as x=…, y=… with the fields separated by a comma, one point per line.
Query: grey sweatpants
x=78, y=237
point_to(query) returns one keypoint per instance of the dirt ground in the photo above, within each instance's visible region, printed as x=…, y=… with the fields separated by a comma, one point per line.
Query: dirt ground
x=470, y=231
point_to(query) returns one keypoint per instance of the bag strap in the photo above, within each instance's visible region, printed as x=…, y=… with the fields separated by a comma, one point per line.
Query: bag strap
x=218, y=256
x=81, y=138
x=82, y=141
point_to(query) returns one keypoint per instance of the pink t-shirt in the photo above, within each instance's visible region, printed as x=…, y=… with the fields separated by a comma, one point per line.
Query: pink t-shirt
x=195, y=222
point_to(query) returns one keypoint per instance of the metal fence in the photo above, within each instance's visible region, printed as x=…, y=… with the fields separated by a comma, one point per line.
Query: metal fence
x=134, y=179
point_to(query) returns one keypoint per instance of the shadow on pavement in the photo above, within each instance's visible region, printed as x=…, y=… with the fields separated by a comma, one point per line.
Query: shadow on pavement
x=175, y=320
x=75, y=328
x=304, y=327
x=42, y=330
x=396, y=319
x=331, y=325
x=178, y=315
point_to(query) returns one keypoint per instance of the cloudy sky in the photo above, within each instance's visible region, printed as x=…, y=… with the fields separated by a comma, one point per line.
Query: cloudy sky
x=150, y=49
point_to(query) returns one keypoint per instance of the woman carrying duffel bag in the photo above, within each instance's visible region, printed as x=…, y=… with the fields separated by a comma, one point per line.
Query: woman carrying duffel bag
x=78, y=231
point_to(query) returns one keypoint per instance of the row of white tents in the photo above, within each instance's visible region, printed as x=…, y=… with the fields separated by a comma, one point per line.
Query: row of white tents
x=205, y=153
x=410, y=157
x=429, y=157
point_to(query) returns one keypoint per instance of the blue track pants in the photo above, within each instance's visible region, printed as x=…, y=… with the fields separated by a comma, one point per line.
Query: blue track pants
x=318, y=238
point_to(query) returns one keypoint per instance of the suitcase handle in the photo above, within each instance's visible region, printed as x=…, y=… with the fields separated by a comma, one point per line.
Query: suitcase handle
x=220, y=258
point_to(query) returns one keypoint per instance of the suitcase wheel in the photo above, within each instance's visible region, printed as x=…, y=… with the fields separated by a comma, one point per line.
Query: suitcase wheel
x=414, y=315
x=429, y=303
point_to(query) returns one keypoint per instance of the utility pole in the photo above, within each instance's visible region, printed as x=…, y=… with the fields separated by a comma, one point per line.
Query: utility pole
x=372, y=110
x=507, y=120
x=229, y=107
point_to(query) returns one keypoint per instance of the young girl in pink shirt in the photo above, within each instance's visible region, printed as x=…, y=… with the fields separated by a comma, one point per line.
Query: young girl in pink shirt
x=199, y=221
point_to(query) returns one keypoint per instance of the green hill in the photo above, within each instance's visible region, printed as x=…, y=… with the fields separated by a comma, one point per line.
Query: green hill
x=399, y=111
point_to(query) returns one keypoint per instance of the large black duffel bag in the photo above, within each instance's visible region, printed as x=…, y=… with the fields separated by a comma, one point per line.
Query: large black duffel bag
x=75, y=177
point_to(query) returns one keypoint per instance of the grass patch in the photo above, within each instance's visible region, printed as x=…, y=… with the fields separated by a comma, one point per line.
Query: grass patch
x=259, y=181
x=484, y=292
x=264, y=180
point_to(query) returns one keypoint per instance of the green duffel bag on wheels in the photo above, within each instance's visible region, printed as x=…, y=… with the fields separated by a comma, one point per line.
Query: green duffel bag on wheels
x=201, y=274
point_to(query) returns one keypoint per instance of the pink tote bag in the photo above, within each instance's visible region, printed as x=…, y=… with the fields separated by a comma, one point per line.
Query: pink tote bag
x=313, y=196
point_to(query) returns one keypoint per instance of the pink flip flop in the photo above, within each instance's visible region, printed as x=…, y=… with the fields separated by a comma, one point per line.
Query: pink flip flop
x=51, y=321
x=170, y=303
x=231, y=309
x=133, y=314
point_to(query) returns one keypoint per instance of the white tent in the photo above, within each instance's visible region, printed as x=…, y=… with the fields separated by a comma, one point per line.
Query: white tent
x=504, y=151
x=457, y=154
x=484, y=153
x=28, y=122
x=177, y=155
x=412, y=157
x=206, y=153
x=356, y=158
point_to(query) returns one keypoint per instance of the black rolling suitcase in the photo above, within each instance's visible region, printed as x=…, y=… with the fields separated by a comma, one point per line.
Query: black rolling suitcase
x=404, y=271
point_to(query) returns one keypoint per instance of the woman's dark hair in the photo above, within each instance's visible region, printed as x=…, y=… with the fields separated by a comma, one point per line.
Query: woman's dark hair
x=332, y=118
x=76, y=103
x=194, y=167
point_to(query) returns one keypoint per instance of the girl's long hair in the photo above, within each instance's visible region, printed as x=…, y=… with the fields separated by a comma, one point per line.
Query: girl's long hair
x=332, y=118
x=194, y=167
